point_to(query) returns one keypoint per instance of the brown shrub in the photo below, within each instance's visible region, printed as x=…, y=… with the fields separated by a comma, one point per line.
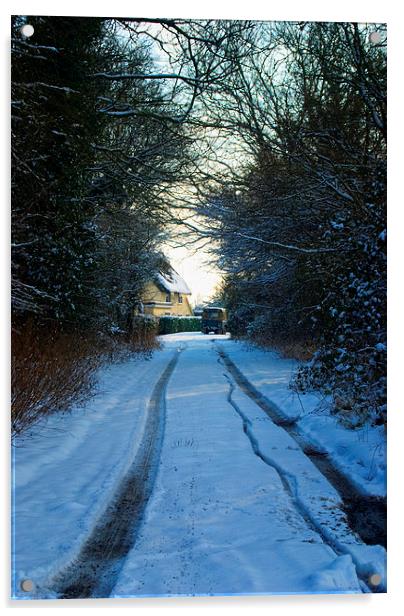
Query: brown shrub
x=52, y=368
x=142, y=337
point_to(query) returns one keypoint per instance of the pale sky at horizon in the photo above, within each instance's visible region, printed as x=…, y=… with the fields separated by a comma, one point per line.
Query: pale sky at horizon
x=200, y=276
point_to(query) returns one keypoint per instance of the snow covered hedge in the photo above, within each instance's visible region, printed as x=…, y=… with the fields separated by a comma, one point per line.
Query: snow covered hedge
x=173, y=325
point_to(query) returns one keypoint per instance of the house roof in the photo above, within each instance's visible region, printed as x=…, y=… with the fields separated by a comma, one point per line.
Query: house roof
x=173, y=282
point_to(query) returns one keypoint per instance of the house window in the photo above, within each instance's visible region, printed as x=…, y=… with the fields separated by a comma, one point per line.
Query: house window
x=168, y=297
x=179, y=298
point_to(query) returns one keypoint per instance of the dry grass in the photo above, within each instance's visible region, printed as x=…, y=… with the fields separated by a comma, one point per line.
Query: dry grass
x=52, y=368
x=295, y=350
x=298, y=349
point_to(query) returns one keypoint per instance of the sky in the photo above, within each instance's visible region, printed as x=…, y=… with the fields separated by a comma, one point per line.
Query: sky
x=200, y=276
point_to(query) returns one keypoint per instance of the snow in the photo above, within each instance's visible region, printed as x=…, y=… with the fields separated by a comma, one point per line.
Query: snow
x=66, y=470
x=337, y=574
x=237, y=507
x=173, y=282
x=360, y=454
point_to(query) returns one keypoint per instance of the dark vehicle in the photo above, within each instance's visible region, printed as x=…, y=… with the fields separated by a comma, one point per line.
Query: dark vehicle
x=214, y=320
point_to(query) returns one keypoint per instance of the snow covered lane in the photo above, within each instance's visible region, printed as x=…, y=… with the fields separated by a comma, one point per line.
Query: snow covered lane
x=220, y=520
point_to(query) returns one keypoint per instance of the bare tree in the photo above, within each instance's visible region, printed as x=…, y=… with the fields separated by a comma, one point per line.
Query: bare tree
x=299, y=222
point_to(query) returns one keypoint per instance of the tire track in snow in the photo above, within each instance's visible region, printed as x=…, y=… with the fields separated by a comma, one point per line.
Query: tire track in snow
x=290, y=484
x=269, y=407
x=94, y=572
x=287, y=479
x=366, y=515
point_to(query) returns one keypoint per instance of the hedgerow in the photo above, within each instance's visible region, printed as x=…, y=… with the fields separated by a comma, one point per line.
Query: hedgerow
x=173, y=325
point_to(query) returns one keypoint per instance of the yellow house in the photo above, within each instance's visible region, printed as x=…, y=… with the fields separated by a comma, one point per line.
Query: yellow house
x=167, y=294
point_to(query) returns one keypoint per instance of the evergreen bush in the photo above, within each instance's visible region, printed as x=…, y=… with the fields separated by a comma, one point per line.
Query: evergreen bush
x=173, y=325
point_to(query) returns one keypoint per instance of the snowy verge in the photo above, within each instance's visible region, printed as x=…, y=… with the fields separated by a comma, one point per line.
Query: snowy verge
x=66, y=470
x=359, y=454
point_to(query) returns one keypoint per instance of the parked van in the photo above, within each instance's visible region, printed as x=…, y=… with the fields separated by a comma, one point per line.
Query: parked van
x=214, y=319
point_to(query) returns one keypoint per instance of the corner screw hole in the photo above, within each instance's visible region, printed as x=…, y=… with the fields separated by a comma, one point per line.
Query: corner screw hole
x=27, y=585
x=375, y=579
x=375, y=38
x=27, y=31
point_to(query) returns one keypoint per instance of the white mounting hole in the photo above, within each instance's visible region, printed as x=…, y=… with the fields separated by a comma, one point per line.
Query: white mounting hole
x=375, y=579
x=27, y=31
x=375, y=38
x=27, y=585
